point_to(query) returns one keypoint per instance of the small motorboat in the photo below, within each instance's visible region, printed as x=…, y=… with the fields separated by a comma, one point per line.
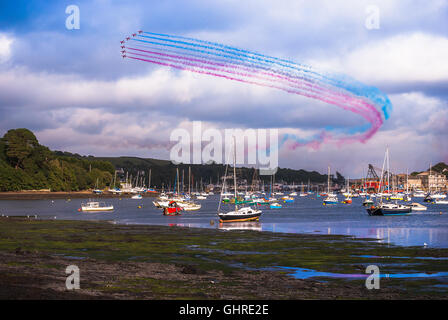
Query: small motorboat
x=95, y=206
x=189, y=206
x=347, y=200
x=226, y=199
x=275, y=205
x=417, y=207
x=288, y=199
x=419, y=194
x=440, y=201
x=137, y=197
x=367, y=202
x=330, y=199
x=173, y=209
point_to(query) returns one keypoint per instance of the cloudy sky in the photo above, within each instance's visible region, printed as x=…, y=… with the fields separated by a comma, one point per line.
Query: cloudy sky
x=73, y=89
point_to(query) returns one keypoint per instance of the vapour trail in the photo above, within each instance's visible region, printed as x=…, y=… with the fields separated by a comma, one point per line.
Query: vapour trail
x=219, y=60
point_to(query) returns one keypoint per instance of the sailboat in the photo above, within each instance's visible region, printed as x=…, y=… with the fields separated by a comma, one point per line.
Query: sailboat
x=331, y=197
x=97, y=190
x=389, y=208
x=407, y=195
x=293, y=193
x=238, y=214
x=433, y=196
x=348, y=195
x=302, y=193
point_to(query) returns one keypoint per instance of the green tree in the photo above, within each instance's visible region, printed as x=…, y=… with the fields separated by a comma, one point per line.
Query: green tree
x=20, y=143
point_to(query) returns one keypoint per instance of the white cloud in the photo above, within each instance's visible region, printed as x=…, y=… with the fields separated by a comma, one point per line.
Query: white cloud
x=5, y=47
x=404, y=58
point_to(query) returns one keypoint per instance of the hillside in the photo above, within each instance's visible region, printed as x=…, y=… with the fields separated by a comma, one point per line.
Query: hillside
x=27, y=165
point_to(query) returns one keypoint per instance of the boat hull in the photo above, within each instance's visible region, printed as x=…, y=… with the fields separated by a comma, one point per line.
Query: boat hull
x=106, y=209
x=237, y=218
x=388, y=212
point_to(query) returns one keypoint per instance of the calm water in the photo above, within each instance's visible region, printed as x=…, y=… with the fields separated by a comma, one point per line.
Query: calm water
x=305, y=215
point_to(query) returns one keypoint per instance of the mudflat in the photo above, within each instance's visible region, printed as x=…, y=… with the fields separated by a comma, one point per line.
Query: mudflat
x=162, y=262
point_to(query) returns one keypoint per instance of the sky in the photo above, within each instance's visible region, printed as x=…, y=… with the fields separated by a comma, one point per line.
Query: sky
x=73, y=89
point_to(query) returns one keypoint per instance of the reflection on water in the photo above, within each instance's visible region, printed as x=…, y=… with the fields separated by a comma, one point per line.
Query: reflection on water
x=255, y=226
x=303, y=273
x=304, y=215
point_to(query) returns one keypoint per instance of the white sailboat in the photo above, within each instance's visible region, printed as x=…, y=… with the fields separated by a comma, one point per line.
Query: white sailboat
x=383, y=208
x=331, y=197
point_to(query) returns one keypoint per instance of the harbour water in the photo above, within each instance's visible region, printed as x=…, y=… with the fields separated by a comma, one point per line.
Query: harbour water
x=305, y=215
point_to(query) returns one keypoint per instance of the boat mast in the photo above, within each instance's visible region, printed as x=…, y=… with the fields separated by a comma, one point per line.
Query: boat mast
x=388, y=172
x=429, y=178
x=381, y=187
x=223, y=186
x=189, y=180
x=178, y=189
x=328, y=182
x=407, y=181
x=234, y=171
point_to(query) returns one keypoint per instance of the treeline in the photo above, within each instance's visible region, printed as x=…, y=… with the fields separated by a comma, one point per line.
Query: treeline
x=27, y=165
x=163, y=173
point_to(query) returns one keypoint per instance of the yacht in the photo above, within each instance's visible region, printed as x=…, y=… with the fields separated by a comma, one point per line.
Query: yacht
x=331, y=197
x=389, y=209
x=238, y=214
x=383, y=208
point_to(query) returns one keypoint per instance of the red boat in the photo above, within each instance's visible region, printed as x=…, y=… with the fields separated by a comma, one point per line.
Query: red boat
x=172, y=210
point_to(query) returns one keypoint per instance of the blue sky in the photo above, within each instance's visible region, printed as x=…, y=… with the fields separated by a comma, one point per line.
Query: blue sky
x=76, y=92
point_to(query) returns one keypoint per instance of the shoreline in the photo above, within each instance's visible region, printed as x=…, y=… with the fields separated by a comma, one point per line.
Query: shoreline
x=44, y=195
x=162, y=262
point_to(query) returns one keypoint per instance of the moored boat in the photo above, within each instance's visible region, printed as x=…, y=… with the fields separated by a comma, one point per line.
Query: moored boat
x=389, y=209
x=367, y=202
x=173, y=209
x=238, y=214
x=95, y=206
x=417, y=207
x=331, y=197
